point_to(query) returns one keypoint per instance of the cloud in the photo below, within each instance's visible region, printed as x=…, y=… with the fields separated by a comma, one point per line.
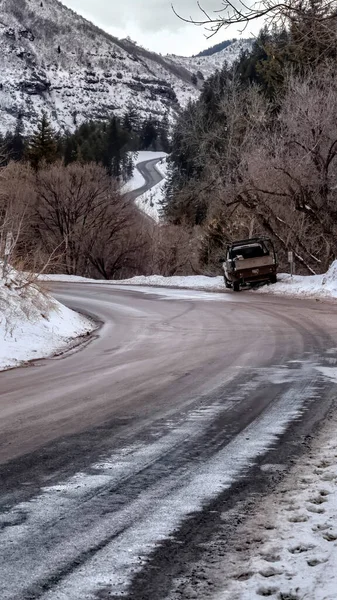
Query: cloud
x=153, y=24
x=147, y=15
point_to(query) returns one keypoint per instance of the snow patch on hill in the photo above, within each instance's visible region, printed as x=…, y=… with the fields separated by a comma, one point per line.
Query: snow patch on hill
x=56, y=61
x=32, y=324
x=207, y=65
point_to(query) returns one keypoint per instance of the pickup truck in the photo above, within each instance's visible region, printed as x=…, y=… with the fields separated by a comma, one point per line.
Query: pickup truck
x=250, y=262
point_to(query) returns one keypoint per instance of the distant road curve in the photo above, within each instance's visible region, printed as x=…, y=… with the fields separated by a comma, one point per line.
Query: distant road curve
x=152, y=177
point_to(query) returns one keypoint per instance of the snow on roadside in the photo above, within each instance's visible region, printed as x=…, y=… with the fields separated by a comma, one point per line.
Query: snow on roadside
x=135, y=183
x=324, y=286
x=162, y=167
x=69, y=278
x=189, y=282
x=32, y=324
x=144, y=155
x=290, y=549
x=315, y=286
x=310, y=286
x=150, y=202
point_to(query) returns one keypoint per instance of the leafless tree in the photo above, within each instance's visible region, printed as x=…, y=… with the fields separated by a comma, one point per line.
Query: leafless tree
x=123, y=252
x=81, y=207
x=275, y=175
x=287, y=177
x=174, y=250
x=16, y=195
x=238, y=12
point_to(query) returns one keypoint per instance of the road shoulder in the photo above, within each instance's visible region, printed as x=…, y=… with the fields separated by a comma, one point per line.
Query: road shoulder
x=287, y=547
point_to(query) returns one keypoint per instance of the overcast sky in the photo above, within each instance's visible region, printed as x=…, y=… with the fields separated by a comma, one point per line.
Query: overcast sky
x=153, y=24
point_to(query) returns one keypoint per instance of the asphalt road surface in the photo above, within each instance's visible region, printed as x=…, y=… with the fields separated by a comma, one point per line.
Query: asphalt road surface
x=122, y=462
x=151, y=176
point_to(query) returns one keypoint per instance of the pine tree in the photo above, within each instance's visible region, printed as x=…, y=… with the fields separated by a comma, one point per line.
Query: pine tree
x=115, y=147
x=15, y=142
x=129, y=167
x=42, y=147
x=70, y=150
x=131, y=119
x=164, y=141
x=149, y=134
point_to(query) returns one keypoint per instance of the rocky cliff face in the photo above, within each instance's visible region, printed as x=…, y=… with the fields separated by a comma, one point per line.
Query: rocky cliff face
x=55, y=61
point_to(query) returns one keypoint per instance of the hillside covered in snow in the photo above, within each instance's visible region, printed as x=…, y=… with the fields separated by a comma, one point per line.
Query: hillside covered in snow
x=54, y=60
x=207, y=65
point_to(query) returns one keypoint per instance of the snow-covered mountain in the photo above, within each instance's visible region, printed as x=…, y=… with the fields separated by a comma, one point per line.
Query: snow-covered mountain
x=207, y=65
x=56, y=61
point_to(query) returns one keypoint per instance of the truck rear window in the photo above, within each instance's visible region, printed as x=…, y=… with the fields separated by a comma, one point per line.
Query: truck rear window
x=249, y=251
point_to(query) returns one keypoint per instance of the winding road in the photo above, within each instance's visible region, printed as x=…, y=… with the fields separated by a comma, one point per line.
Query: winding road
x=151, y=176
x=120, y=463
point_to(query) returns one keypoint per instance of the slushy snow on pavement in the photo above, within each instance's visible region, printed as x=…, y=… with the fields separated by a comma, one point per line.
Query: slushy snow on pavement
x=32, y=324
x=290, y=543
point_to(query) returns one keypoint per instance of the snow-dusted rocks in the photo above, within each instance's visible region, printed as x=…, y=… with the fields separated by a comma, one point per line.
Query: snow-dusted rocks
x=55, y=61
x=207, y=65
x=33, y=324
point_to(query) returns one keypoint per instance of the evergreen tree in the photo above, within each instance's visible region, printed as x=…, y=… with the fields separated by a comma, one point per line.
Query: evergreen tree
x=127, y=166
x=131, y=119
x=149, y=134
x=15, y=142
x=70, y=150
x=114, y=147
x=164, y=131
x=42, y=146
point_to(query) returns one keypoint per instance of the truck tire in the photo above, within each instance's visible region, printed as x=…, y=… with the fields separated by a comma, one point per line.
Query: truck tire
x=273, y=278
x=227, y=283
x=236, y=286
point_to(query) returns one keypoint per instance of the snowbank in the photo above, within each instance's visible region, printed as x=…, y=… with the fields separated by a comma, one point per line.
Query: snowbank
x=33, y=324
x=317, y=286
x=69, y=279
x=135, y=183
x=148, y=155
x=193, y=282
x=314, y=286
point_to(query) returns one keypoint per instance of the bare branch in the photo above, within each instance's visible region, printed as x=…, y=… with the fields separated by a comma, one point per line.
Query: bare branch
x=240, y=13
